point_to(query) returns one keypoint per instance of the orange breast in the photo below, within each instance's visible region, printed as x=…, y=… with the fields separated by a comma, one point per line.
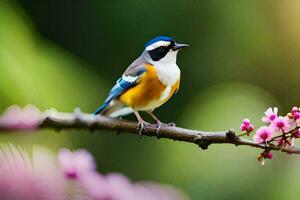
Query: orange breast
x=148, y=89
x=146, y=94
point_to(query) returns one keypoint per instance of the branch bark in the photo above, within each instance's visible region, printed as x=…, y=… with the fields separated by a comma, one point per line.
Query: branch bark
x=78, y=120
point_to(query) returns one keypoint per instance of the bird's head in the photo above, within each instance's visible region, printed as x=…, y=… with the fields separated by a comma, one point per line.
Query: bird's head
x=163, y=49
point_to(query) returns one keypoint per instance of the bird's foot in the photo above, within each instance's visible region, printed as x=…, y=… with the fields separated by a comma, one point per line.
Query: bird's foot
x=160, y=124
x=172, y=124
x=141, y=127
x=158, y=127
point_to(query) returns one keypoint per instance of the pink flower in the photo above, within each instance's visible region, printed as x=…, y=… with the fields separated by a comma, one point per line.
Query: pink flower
x=294, y=109
x=27, y=118
x=41, y=176
x=271, y=114
x=96, y=186
x=120, y=187
x=264, y=155
x=153, y=191
x=285, y=143
x=295, y=114
x=268, y=155
x=76, y=164
x=79, y=166
x=247, y=126
x=281, y=124
x=296, y=134
x=34, y=177
x=263, y=134
x=117, y=186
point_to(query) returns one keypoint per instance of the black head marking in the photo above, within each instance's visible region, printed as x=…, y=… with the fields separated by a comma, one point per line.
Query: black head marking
x=160, y=52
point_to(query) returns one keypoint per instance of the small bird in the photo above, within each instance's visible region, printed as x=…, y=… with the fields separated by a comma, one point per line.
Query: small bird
x=147, y=83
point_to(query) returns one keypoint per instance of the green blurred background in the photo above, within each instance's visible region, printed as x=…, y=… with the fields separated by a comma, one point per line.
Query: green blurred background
x=243, y=58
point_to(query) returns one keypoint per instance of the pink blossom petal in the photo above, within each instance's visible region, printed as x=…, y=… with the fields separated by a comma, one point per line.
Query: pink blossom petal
x=16, y=118
x=76, y=164
x=296, y=134
x=121, y=186
x=31, y=116
x=268, y=155
x=281, y=124
x=84, y=160
x=246, y=122
x=97, y=186
x=21, y=178
x=263, y=134
x=270, y=115
x=12, y=117
x=294, y=109
x=153, y=191
x=247, y=126
x=41, y=177
x=286, y=143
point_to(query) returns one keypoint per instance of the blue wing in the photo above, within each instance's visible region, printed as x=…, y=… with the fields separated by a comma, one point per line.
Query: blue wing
x=127, y=81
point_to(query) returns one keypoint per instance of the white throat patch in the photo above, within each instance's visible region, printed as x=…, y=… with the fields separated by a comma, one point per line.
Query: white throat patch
x=167, y=70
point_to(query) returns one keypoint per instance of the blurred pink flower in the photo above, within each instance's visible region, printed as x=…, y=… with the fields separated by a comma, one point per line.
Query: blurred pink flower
x=286, y=143
x=76, y=164
x=247, y=126
x=97, y=186
x=70, y=175
x=80, y=166
x=268, y=155
x=153, y=191
x=111, y=186
x=263, y=134
x=296, y=115
x=281, y=124
x=271, y=114
x=296, y=134
x=264, y=155
x=27, y=118
x=117, y=187
x=20, y=178
x=294, y=109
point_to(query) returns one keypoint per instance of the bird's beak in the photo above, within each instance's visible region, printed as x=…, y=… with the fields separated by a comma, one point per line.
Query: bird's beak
x=179, y=46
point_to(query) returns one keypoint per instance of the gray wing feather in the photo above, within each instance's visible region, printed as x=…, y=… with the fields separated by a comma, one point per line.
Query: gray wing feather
x=136, y=68
x=129, y=79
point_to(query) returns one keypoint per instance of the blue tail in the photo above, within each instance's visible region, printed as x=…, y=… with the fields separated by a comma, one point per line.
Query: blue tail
x=101, y=108
x=121, y=86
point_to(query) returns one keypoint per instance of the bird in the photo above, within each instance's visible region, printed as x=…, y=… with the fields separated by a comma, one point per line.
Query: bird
x=147, y=83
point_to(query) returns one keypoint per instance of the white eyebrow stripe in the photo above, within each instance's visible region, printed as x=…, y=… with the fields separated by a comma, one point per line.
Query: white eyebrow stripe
x=157, y=44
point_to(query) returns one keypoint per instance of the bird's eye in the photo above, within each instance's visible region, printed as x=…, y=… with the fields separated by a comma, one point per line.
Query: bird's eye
x=161, y=47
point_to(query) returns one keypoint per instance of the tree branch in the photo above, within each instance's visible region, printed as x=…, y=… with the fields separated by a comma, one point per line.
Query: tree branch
x=78, y=120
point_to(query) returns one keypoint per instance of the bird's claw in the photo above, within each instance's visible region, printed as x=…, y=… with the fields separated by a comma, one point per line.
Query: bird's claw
x=158, y=127
x=172, y=124
x=141, y=127
x=160, y=124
